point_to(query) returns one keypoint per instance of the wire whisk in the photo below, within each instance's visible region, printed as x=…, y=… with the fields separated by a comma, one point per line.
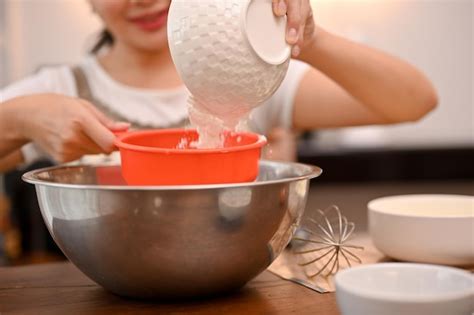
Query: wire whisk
x=322, y=243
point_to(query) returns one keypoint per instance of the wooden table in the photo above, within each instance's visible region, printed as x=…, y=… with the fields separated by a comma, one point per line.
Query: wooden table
x=61, y=288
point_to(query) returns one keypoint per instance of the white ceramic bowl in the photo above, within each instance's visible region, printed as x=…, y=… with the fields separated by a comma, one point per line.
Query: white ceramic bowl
x=231, y=55
x=404, y=289
x=435, y=229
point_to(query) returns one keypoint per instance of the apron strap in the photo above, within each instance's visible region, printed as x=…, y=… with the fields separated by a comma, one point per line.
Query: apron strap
x=82, y=85
x=84, y=91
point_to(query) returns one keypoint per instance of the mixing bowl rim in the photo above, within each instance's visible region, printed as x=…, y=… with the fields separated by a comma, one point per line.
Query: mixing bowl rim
x=32, y=178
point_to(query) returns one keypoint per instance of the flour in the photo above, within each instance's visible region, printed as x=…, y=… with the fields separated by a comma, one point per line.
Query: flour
x=211, y=122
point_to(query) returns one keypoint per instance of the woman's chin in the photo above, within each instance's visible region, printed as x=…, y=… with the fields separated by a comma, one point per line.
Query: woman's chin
x=150, y=44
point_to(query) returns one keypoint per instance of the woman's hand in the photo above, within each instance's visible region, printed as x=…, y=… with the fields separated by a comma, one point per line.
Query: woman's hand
x=66, y=128
x=301, y=28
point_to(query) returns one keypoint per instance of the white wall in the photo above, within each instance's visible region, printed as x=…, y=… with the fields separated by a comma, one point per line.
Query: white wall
x=435, y=35
x=40, y=32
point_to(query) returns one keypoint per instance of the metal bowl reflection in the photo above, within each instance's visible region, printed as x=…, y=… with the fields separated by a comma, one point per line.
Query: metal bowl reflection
x=171, y=241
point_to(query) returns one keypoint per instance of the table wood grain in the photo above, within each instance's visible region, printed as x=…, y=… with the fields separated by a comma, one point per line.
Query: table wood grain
x=60, y=288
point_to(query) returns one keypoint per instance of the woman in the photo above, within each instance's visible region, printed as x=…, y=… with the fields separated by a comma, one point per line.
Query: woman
x=69, y=112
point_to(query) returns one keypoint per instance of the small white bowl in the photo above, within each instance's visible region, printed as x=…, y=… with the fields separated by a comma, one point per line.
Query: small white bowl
x=403, y=288
x=436, y=229
x=231, y=55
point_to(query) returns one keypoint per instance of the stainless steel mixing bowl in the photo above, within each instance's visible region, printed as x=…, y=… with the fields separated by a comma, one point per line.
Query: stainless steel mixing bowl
x=171, y=241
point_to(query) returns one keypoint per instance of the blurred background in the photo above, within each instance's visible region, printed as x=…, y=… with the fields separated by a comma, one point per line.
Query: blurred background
x=435, y=35
x=433, y=155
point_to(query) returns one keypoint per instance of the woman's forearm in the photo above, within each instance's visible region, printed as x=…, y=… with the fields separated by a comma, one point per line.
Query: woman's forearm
x=12, y=114
x=11, y=161
x=388, y=86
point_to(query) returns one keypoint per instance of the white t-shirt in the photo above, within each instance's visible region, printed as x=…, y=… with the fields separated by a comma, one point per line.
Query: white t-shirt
x=157, y=108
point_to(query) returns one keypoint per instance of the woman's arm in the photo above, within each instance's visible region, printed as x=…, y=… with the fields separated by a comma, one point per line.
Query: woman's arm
x=351, y=84
x=11, y=134
x=11, y=161
x=64, y=127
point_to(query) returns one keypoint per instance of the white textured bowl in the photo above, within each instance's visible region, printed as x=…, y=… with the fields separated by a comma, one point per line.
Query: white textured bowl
x=231, y=55
x=435, y=229
x=408, y=289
